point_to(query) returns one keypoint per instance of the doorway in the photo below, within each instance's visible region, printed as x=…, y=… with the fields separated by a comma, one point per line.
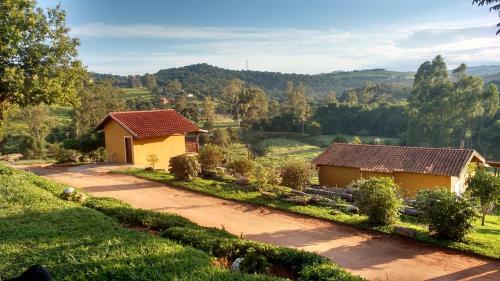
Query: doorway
x=128, y=150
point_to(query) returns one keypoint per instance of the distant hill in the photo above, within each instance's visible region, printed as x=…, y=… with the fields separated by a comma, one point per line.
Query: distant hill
x=206, y=78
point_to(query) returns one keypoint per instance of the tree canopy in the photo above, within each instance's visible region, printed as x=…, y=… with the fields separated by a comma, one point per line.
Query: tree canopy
x=38, y=58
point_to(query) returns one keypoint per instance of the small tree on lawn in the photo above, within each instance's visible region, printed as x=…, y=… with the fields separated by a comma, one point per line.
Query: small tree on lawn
x=211, y=157
x=379, y=199
x=184, y=167
x=486, y=188
x=449, y=216
x=242, y=167
x=296, y=174
x=152, y=160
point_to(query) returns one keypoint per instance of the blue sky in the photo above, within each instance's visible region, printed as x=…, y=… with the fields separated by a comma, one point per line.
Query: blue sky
x=135, y=37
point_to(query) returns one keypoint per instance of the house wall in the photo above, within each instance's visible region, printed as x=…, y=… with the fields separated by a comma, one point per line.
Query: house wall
x=163, y=147
x=114, y=137
x=411, y=183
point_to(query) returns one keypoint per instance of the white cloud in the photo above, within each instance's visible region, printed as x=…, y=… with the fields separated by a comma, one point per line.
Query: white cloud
x=401, y=47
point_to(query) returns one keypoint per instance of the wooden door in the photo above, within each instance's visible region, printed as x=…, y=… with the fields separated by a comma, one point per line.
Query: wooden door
x=128, y=150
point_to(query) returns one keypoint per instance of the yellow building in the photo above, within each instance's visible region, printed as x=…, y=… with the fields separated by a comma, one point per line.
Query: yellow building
x=132, y=136
x=413, y=168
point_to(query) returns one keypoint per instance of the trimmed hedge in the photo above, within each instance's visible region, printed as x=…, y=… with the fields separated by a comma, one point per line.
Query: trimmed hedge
x=217, y=242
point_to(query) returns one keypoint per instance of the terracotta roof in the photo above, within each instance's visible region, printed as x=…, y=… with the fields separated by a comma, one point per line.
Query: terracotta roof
x=382, y=158
x=151, y=123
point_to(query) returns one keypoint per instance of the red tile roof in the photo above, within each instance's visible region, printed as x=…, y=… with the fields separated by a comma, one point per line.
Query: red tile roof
x=382, y=158
x=151, y=123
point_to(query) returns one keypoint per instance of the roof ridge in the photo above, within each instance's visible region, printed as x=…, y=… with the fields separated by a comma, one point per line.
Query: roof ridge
x=140, y=111
x=403, y=146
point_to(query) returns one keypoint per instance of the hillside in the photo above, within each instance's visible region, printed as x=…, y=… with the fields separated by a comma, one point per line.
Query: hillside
x=204, y=78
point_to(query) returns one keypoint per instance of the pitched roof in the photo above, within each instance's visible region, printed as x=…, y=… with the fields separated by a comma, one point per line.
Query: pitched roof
x=382, y=158
x=151, y=123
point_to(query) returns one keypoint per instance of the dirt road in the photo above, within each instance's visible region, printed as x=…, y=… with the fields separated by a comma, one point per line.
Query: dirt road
x=371, y=255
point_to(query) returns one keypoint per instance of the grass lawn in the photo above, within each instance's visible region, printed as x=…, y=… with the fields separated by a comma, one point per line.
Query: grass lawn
x=132, y=93
x=78, y=243
x=482, y=241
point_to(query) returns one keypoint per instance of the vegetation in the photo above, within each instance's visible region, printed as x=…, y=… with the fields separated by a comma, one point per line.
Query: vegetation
x=482, y=240
x=485, y=187
x=242, y=168
x=296, y=174
x=221, y=137
x=38, y=61
x=185, y=167
x=152, y=160
x=449, y=216
x=122, y=253
x=495, y=6
x=379, y=200
x=211, y=156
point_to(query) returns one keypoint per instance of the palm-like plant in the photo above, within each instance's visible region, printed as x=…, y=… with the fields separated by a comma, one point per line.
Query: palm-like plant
x=494, y=6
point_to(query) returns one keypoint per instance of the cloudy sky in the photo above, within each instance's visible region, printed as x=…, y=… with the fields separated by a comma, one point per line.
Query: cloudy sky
x=313, y=36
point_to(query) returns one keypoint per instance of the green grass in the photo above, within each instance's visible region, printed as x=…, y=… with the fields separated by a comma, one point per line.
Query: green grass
x=77, y=243
x=132, y=93
x=29, y=162
x=482, y=241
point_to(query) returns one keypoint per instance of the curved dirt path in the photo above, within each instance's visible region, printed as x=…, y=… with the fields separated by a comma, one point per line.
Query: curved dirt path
x=371, y=255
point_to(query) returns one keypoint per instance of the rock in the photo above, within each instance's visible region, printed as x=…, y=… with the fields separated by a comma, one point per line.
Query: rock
x=68, y=190
x=410, y=211
x=235, y=266
x=405, y=231
x=351, y=209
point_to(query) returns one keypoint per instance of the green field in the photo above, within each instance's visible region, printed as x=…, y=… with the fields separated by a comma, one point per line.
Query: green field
x=132, y=93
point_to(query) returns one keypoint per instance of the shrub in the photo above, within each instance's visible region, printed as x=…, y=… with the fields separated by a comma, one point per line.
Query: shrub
x=233, y=134
x=221, y=137
x=203, y=138
x=339, y=139
x=63, y=155
x=449, y=216
x=267, y=175
x=356, y=140
x=379, y=199
x=327, y=272
x=486, y=188
x=295, y=174
x=254, y=262
x=314, y=129
x=242, y=167
x=211, y=156
x=184, y=167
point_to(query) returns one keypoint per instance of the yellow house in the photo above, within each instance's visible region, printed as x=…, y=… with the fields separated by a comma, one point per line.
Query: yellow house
x=413, y=168
x=132, y=136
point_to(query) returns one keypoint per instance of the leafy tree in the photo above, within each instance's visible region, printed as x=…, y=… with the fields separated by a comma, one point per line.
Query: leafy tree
x=296, y=174
x=231, y=94
x=97, y=100
x=173, y=87
x=297, y=103
x=211, y=157
x=134, y=81
x=181, y=102
x=495, y=6
x=221, y=137
x=339, y=139
x=209, y=109
x=379, y=199
x=449, y=216
x=39, y=124
x=314, y=128
x=38, y=58
x=486, y=187
x=274, y=108
x=149, y=81
x=185, y=167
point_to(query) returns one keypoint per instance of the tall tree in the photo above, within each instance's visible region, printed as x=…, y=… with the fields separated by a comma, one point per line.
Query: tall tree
x=297, y=103
x=181, y=102
x=149, y=81
x=494, y=6
x=209, y=110
x=38, y=58
x=485, y=187
x=97, y=100
x=39, y=125
x=231, y=94
x=173, y=87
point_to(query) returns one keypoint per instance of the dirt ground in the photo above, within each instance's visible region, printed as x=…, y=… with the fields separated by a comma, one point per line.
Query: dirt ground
x=371, y=255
